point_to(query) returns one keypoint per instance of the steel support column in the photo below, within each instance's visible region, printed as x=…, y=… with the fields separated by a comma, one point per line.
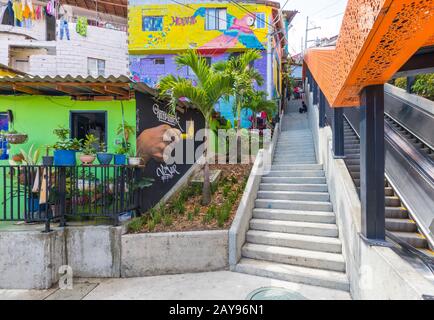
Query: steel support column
x=338, y=132
x=315, y=92
x=372, y=163
x=321, y=109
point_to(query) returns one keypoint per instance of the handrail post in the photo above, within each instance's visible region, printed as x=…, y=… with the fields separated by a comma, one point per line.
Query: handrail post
x=338, y=132
x=372, y=163
x=62, y=196
x=321, y=109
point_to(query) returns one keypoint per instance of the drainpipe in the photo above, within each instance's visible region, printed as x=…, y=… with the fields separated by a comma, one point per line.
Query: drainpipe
x=269, y=64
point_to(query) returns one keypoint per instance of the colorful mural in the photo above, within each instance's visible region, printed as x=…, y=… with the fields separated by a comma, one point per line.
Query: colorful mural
x=212, y=28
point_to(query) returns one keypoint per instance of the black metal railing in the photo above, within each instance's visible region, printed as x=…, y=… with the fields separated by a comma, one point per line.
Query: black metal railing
x=57, y=193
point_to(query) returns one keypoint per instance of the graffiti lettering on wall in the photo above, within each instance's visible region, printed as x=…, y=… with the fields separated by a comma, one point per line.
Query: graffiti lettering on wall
x=164, y=117
x=166, y=173
x=183, y=21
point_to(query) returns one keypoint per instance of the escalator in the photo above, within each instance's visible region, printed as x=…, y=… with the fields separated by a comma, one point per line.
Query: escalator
x=399, y=221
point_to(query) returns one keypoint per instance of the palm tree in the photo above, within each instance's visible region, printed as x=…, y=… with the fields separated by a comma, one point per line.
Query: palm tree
x=243, y=77
x=258, y=102
x=209, y=88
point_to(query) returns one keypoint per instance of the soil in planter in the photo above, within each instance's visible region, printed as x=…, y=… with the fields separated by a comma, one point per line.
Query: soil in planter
x=184, y=212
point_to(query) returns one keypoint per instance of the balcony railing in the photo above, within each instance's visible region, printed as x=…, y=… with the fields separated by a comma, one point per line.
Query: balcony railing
x=57, y=193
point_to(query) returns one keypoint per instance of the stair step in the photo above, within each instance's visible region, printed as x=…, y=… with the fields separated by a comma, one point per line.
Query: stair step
x=294, y=215
x=388, y=191
x=354, y=161
x=306, y=228
x=404, y=225
x=293, y=187
x=295, y=173
x=306, y=258
x=297, y=241
x=285, y=272
x=392, y=201
x=396, y=212
x=417, y=240
x=294, y=195
x=294, y=205
x=297, y=167
x=296, y=180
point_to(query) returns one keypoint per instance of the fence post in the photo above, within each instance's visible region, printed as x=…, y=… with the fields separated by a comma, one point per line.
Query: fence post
x=62, y=195
x=372, y=163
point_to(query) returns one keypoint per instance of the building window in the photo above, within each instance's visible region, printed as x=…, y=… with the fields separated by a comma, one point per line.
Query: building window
x=260, y=20
x=160, y=61
x=89, y=122
x=216, y=19
x=95, y=67
x=4, y=126
x=152, y=23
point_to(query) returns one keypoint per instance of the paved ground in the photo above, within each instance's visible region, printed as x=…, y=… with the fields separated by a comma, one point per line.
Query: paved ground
x=208, y=286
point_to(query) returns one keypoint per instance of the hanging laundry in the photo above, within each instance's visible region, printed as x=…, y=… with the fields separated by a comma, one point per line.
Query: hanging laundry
x=50, y=8
x=64, y=28
x=9, y=16
x=81, y=27
x=38, y=13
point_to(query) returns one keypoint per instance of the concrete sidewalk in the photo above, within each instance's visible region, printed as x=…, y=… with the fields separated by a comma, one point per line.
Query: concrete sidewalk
x=220, y=285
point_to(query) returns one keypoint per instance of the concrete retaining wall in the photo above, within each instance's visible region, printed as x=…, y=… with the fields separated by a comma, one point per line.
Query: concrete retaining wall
x=30, y=260
x=175, y=252
x=374, y=272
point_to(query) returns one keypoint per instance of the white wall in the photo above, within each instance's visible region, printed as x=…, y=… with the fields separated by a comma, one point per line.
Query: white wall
x=69, y=57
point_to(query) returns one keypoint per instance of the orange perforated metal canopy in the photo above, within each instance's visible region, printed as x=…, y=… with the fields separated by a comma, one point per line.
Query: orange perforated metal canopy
x=377, y=37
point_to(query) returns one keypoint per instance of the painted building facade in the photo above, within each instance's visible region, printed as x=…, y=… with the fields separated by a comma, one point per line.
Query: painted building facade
x=159, y=30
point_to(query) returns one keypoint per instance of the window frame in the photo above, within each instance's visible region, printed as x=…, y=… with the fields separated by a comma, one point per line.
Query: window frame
x=216, y=19
x=104, y=112
x=97, y=61
x=262, y=19
x=153, y=17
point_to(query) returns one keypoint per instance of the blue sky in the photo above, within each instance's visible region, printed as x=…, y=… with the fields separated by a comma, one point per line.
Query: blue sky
x=325, y=13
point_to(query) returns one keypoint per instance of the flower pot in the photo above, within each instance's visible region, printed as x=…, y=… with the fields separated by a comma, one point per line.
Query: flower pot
x=120, y=159
x=87, y=159
x=134, y=161
x=47, y=160
x=16, y=138
x=18, y=157
x=104, y=158
x=64, y=157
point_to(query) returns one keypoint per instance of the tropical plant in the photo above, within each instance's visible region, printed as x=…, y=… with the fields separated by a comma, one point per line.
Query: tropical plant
x=210, y=87
x=65, y=142
x=30, y=157
x=89, y=145
x=243, y=77
x=125, y=130
x=258, y=102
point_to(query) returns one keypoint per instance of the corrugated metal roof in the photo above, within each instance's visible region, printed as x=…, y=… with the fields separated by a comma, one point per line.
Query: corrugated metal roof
x=69, y=79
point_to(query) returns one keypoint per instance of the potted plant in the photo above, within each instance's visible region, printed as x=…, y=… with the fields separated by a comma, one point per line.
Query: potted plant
x=14, y=137
x=89, y=151
x=104, y=157
x=47, y=160
x=65, y=148
x=133, y=160
x=120, y=154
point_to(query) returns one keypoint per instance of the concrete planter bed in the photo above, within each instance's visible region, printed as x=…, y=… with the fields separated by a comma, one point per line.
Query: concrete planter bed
x=151, y=254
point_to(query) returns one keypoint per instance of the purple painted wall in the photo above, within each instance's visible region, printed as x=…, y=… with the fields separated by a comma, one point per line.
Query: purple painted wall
x=147, y=69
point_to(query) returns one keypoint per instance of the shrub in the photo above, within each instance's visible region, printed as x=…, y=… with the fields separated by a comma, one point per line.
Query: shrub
x=151, y=224
x=401, y=83
x=136, y=225
x=226, y=190
x=167, y=220
x=424, y=86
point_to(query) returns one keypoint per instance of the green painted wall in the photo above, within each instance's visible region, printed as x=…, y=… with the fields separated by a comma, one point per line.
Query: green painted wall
x=38, y=116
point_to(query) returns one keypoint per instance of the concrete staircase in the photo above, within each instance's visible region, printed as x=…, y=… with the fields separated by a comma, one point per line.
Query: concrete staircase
x=293, y=234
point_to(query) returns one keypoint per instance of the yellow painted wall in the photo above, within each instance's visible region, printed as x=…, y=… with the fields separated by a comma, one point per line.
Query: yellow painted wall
x=190, y=32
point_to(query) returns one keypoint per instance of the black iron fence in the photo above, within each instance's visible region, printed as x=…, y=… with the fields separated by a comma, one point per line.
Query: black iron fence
x=54, y=193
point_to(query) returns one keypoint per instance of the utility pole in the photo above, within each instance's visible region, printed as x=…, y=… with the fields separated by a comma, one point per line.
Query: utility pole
x=307, y=33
